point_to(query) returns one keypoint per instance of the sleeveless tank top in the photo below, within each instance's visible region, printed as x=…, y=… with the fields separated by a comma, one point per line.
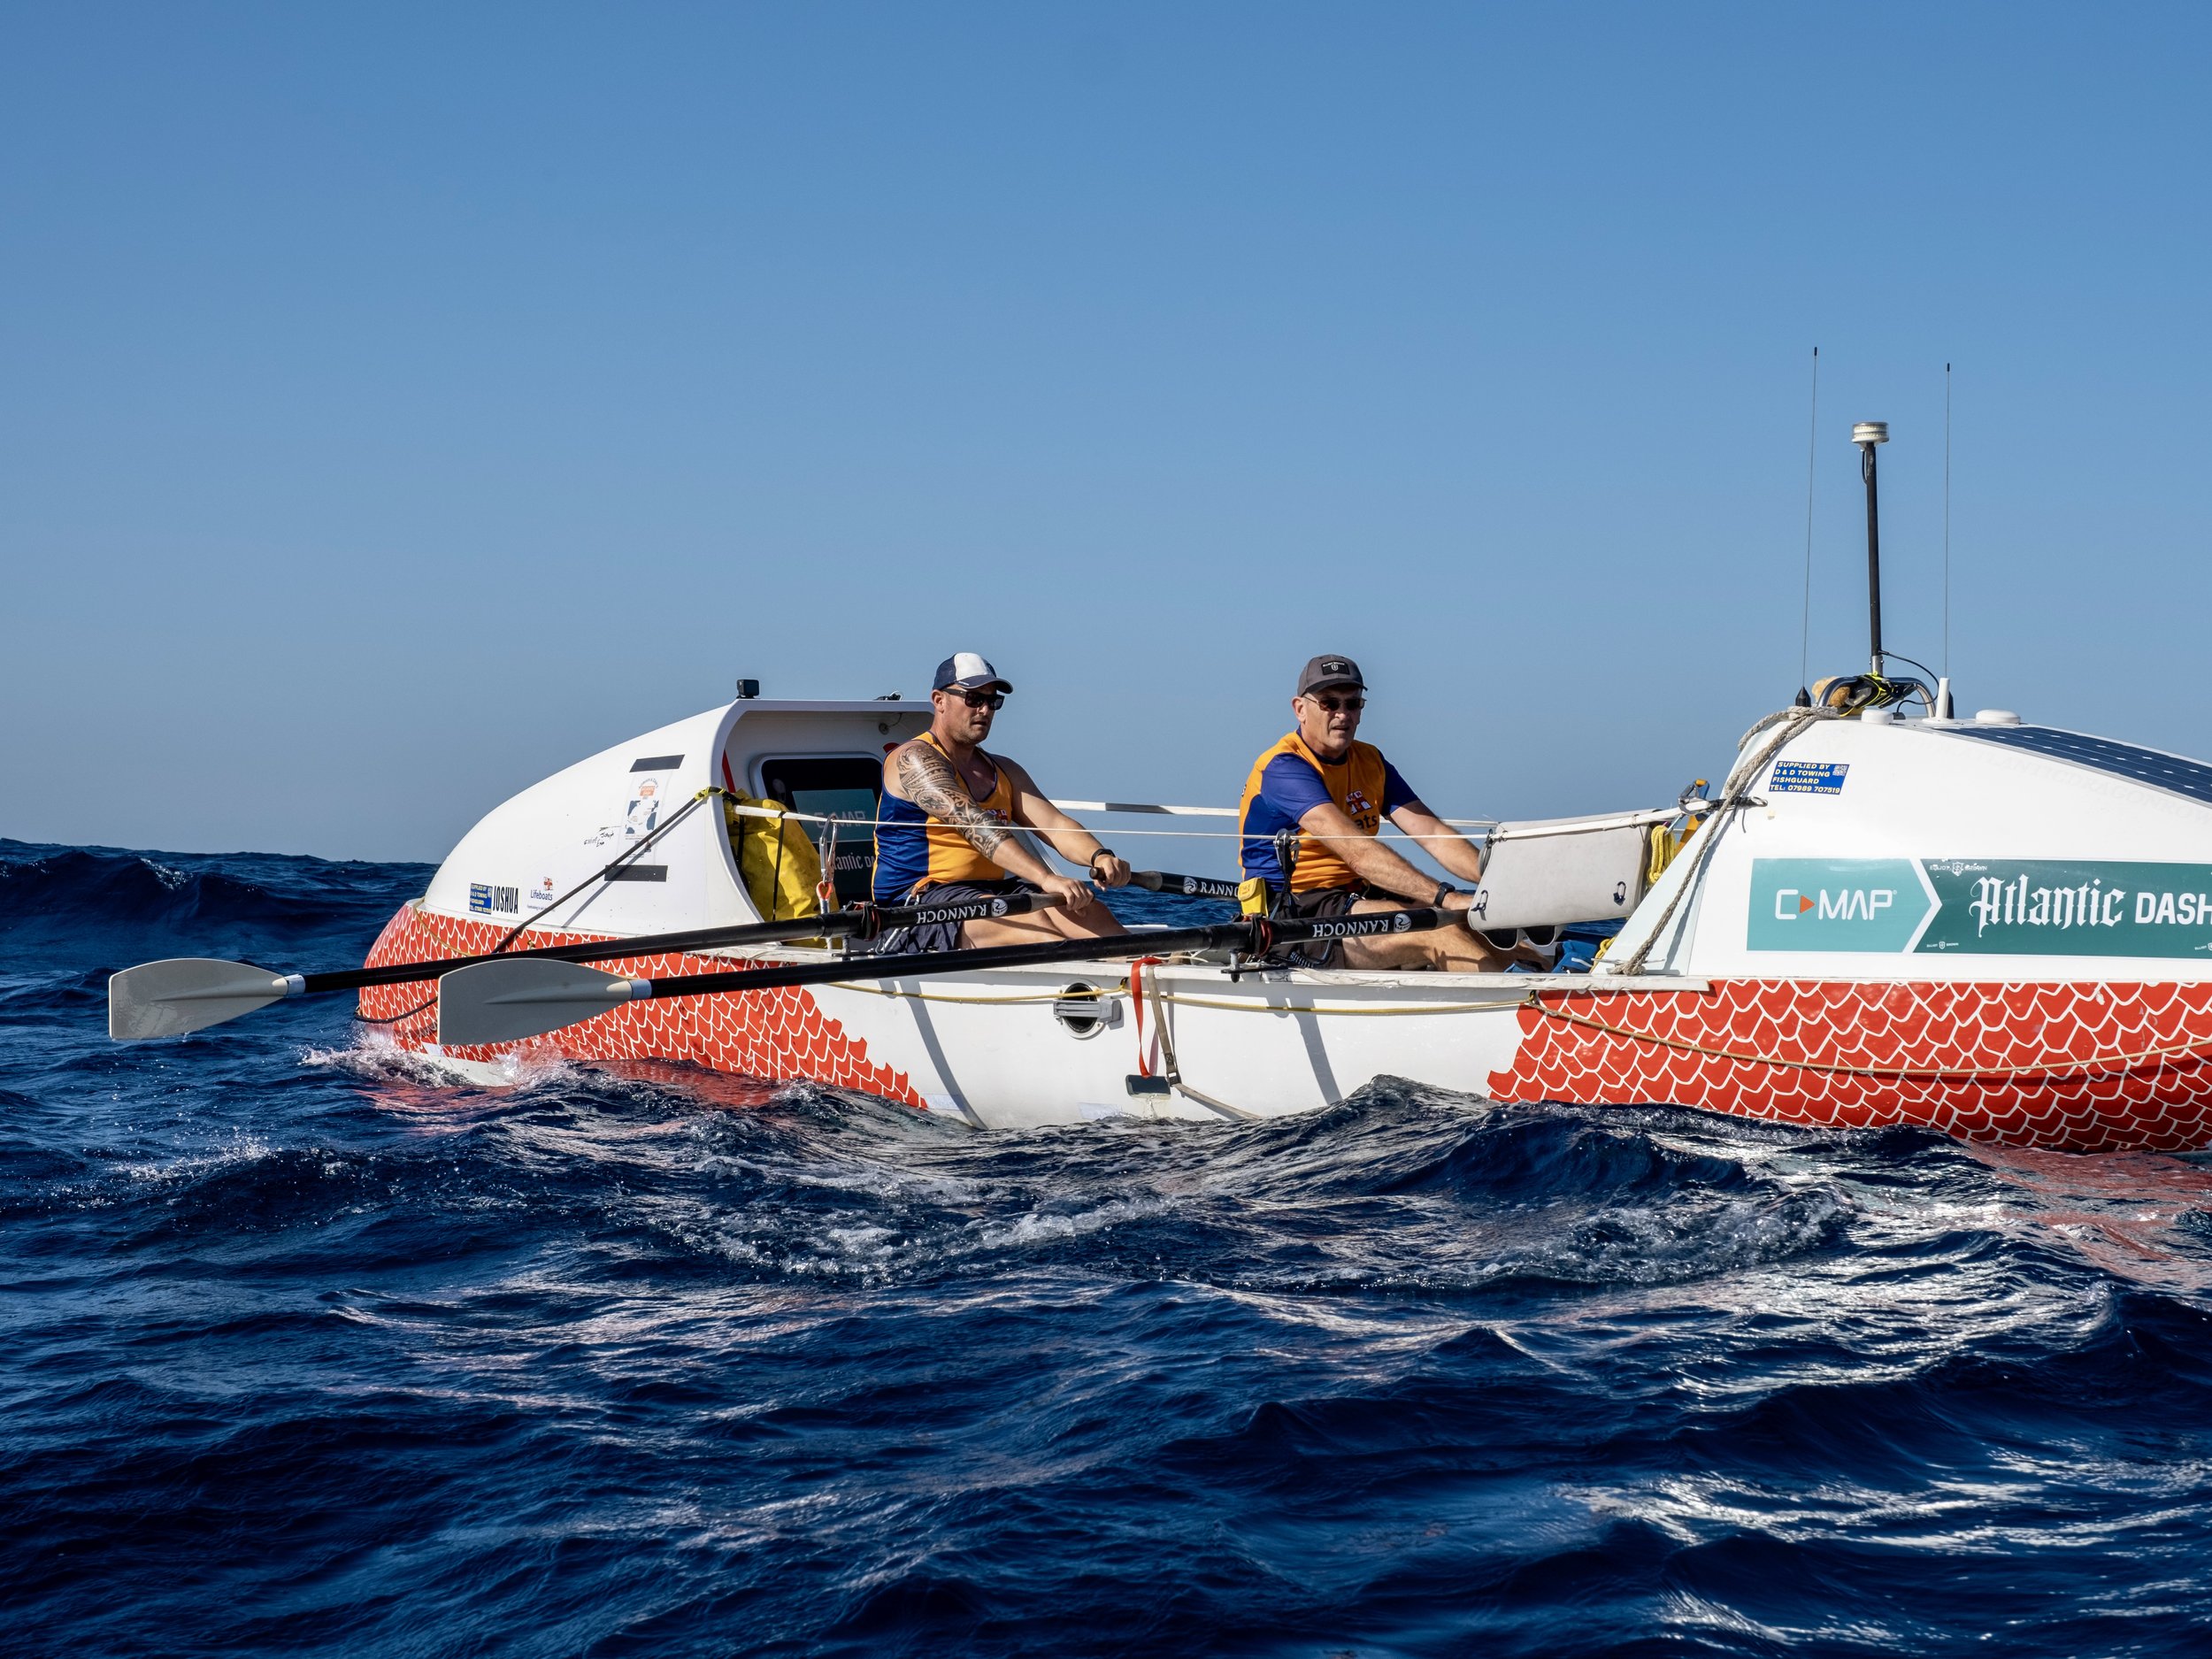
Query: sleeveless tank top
x=914, y=850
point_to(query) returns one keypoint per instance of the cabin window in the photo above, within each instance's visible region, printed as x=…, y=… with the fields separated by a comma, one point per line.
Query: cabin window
x=841, y=786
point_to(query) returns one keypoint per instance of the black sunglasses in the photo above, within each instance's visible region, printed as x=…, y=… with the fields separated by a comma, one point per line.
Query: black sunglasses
x=1336, y=704
x=980, y=699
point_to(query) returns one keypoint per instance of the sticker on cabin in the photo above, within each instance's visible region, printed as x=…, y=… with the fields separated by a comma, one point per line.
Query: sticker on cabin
x=645, y=809
x=484, y=899
x=2042, y=907
x=1809, y=776
x=1986, y=907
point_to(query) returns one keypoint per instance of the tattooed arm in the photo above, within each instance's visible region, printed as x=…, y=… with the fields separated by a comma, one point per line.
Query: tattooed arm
x=933, y=783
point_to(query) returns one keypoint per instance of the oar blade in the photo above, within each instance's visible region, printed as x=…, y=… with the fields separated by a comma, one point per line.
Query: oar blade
x=182, y=994
x=505, y=1002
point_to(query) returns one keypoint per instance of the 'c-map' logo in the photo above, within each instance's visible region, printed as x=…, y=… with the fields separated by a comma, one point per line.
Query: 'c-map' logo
x=1401, y=921
x=1858, y=904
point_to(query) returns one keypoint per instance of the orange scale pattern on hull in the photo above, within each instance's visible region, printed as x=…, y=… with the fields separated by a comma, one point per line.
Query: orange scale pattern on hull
x=781, y=1035
x=2087, y=1086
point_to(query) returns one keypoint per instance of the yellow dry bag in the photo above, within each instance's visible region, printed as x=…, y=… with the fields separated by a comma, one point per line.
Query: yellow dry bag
x=779, y=863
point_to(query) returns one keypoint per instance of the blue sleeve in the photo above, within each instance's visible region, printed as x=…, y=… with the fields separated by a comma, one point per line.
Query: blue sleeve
x=1292, y=786
x=1396, y=791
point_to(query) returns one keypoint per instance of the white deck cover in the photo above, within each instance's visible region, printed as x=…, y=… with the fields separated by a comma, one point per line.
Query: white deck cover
x=531, y=849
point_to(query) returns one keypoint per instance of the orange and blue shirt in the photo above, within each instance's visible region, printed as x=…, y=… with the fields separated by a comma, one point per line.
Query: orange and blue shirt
x=914, y=850
x=1288, y=781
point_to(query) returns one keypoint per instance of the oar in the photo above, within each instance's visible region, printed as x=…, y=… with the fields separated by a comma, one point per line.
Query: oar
x=508, y=999
x=184, y=994
x=1191, y=886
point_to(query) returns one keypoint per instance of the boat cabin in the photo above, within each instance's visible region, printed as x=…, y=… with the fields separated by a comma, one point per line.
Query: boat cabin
x=640, y=814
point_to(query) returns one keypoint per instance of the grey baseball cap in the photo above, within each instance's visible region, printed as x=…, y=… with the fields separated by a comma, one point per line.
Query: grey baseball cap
x=1321, y=671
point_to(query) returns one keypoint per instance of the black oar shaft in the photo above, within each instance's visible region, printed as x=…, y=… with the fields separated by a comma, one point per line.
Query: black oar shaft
x=1214, y=936
x=1190, y=887
x=1253, y=934
x=835, y=924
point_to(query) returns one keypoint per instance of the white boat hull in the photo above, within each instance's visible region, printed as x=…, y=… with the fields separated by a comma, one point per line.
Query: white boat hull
x=1997, y=931
x=2087, y=1065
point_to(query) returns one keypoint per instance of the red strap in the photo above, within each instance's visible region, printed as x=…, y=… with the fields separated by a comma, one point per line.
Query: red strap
x=1136, y=995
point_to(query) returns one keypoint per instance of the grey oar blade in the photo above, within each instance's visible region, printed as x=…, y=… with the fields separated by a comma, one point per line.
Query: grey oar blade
x=505, y=1002
x=167, y=999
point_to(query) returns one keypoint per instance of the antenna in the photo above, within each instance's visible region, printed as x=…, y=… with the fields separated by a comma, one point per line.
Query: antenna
x=1805, y=621
x=1947, y=521
x=1869, y=435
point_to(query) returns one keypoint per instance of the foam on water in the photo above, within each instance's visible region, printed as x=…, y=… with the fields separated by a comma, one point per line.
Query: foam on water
x=307, y=1349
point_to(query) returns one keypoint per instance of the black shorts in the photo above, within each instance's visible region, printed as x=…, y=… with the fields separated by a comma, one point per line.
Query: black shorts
x=1321, y=953
x=900, y=941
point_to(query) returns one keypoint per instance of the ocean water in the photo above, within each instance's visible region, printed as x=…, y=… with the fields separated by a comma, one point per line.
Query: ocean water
x=303, y=1352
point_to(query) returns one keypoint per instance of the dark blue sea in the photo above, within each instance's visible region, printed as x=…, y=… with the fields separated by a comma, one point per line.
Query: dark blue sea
x=303, y=1352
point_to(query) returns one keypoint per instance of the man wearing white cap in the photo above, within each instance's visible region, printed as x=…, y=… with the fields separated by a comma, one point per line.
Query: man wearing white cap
x=946, y=826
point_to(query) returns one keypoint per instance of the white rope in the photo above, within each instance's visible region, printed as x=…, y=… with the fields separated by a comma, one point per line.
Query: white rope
x=1497, y=831
x=857, y=822
x=1209, y=812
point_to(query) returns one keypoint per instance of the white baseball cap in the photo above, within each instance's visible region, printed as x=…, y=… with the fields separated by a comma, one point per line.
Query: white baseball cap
x=964, y=670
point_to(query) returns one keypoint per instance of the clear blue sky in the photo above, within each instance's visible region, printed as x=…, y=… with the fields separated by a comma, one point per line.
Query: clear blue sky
x=398, y=402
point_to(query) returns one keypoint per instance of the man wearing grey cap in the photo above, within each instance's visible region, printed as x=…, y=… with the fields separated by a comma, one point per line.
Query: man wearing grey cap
x=1324, y=794
x=946, y=823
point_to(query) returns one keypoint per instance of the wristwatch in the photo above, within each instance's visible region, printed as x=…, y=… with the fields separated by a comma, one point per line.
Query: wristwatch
x=1103, y=852
x=1444, y=890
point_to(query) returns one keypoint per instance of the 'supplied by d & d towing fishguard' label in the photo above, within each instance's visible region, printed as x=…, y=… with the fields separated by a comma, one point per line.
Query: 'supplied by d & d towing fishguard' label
x=1808, y=777
x=1994, y=907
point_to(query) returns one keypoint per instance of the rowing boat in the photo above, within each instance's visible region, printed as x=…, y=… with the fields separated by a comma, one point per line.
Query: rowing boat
x=1992, y=928
x=1997, y=930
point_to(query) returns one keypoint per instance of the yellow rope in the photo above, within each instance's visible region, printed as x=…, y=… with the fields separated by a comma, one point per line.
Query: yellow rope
x=1278, y=1008
x=980, y=1002
x=1227, y=1006
x=2128, y=1062
x=2125, y=1062
x=1122, y=989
